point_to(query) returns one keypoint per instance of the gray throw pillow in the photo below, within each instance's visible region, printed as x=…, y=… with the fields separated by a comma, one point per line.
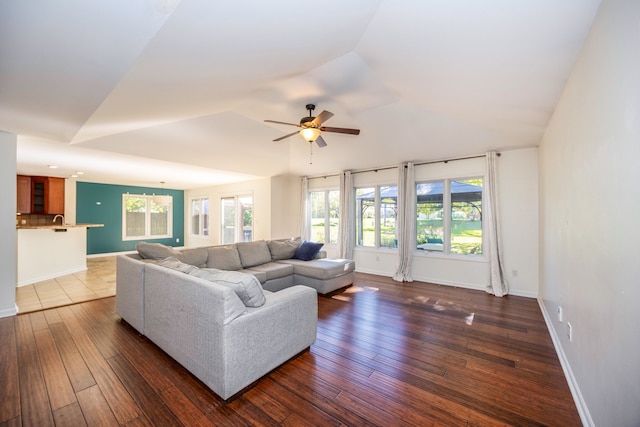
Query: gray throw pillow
x=245, y=285
x=253, y=253
x=155, y=250
x=224, y=257
x=283, y=249
x=194, y=256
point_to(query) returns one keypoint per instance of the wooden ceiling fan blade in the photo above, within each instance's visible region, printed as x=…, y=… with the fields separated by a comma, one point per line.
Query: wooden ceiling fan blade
x=282, y=123
x=321, y=118
x=321, y=142
x=285, y=137
x=341, y=130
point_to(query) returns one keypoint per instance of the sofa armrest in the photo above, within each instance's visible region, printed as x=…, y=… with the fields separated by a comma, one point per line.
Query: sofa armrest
x=265, y=337
x=130, y=290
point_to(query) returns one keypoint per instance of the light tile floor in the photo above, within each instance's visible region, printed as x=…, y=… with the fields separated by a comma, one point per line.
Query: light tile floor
x=97, y=281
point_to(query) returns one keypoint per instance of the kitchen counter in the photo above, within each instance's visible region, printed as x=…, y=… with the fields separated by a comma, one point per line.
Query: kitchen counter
x=44, y=255
x=56, y=226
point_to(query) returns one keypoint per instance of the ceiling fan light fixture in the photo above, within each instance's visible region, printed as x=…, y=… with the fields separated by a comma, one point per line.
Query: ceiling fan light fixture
x=310, y=134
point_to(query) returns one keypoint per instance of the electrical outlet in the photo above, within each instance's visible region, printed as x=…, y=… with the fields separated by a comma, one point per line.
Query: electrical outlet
x=569, y=332
x=559, y=313
x=178, y=240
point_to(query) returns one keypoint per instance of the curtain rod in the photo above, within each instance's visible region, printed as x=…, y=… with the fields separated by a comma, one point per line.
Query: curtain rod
x=395, y=167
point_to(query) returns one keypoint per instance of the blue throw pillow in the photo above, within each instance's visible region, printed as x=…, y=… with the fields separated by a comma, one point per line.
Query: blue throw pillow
x=307, y=251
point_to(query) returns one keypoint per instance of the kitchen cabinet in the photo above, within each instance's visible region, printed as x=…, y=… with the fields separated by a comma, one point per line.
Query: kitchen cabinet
x=47, y=195
x=23, y=205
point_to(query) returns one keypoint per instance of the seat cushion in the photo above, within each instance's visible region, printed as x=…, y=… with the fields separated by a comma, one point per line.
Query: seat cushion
x=224, y=257
x=321, y=269
x=260, y=275
x=253, y=253
x=273, y=270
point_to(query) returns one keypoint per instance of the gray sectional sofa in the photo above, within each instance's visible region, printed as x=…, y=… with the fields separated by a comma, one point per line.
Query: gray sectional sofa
x=226, y=313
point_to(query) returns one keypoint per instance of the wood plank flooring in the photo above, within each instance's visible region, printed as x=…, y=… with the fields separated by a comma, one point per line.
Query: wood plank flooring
x=387, y=355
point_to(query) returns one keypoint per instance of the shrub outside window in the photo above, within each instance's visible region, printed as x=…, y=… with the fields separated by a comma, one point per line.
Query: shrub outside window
x=146, y=217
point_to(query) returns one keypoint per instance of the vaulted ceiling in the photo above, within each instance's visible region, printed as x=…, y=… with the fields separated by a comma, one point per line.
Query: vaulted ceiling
x=144, y=91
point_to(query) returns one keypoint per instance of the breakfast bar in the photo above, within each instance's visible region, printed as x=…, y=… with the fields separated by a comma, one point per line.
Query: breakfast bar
x=49, y=251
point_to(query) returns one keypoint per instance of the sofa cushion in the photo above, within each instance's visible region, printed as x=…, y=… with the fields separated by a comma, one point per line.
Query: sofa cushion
x=284, y=248
x=195, y=256
x=253, y=253
x=175, y=264
x=321, y=269
x=155, y=250
x=272, y=270
x=223, y=257
x=260, y=275
x=307, y=251
x=245, y=285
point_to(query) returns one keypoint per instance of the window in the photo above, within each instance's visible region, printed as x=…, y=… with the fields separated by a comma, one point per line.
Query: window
x=237, y=219
x=325, y=206
x=449, y=216
x=376, y=211
x=146, y=217
x=200, y=217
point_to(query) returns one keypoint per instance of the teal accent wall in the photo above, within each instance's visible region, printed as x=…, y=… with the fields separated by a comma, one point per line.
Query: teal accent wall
x=102, y=204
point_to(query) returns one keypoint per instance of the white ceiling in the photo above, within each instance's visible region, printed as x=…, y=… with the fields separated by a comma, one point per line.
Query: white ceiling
x=146, y=91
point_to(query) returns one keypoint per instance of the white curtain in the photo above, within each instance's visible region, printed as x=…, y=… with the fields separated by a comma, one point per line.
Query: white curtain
x=498, y=285
x=405, y=222
x=304, y=208
x=347, y=215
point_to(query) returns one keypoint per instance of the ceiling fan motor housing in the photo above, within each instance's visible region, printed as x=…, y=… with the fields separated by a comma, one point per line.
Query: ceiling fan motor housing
x=306, y=121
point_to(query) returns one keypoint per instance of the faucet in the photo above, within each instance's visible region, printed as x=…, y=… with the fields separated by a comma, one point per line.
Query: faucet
x=56, y=217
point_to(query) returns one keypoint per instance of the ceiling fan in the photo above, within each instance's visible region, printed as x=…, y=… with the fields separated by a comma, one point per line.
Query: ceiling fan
x=311, y=127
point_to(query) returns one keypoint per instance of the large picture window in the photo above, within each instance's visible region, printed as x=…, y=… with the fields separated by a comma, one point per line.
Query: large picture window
x=325, y=207
x=146, y=217
x=449, y=216
x=376, y=211
x=200, y=217
x=237, y=219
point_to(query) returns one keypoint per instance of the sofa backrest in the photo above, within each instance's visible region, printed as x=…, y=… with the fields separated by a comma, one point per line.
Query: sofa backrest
x=253, y=253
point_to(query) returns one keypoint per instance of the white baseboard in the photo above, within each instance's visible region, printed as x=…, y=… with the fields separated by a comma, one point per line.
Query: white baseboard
x=453, y=284
x=581, y=405
x=9, y=312
x=51, y=276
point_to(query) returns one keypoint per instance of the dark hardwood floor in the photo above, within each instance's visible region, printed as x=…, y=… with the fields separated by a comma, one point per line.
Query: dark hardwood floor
x=387, y=355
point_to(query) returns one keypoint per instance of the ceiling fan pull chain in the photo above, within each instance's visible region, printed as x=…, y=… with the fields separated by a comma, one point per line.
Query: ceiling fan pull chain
x=310, y=152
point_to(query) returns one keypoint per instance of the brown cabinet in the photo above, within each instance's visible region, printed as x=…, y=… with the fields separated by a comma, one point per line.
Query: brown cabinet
x=47, y=195
x=23, y=205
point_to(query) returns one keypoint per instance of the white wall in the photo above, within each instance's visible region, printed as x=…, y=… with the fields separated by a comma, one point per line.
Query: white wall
x=276, y=208
x=8, y=143
x=285, y=206
x=589, y=206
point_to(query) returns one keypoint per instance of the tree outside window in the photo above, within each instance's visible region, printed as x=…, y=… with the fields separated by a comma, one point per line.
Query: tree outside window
x=237, y=219
x=200, y=216
x=377, y=210
x=325, y=218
